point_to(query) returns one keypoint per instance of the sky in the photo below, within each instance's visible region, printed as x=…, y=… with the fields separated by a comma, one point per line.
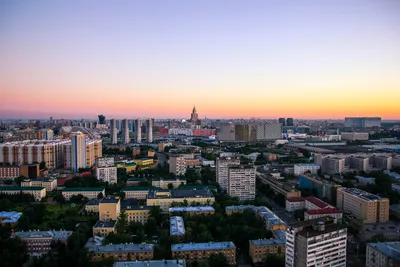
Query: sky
x=260, y=58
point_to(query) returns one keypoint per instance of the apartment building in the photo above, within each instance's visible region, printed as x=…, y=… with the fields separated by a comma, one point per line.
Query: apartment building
x=37, y=192
x=9, y=217
x=177, y=165
x=353, y=136
x=201, y=251
x=242, y=182
x=81, y=152
x=365, y=206
x=162, y=146
x=103, y=228
x=88, y=192
x=222, y=170
x=383, y=254
x=319, y=242
x=358, y=163
x=295, y=203
x=164, y=198
x=39, y=242
x=260, y=249
x=322, y=187
x=107, y=174
x=271, y=220
x=381, y=162
x=9, y=172
x=137, y=192
x=163, y=183
x=332, y=165
x=124, y=252
x=137, y=213
x=201, y=210
x=48, y=183
x=30, y=171
x=229, y=210
x=302, y=168
x=109, y=209
x=176, y=226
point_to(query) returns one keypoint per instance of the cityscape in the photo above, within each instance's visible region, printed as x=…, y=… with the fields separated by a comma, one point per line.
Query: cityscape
x=199, y=134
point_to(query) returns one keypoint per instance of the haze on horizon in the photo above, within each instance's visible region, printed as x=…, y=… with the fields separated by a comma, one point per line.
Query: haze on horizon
x=303, y=59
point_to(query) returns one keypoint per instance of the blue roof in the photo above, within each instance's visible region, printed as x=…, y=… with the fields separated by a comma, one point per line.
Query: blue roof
x=191, y=209
x=389, y=249
x=241, y=207
x=156, y=263
x=370, y=180
x=94, y=246
x=176, y=226
x=268, y=242
x=61, y=235
x=307, y=164
x=279, y=234
x=10, y=216
x=202, y=246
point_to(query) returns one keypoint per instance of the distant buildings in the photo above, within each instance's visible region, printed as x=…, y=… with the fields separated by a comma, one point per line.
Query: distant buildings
x=249, y=132
x=364, y=206
x=382, y=254
x=353, y=136
x=125, y=131
x=242, y=182
x=319, y=242
x=102, y=119
x=302, y=168
x=332, y=165
x=322, y=188
x=289, y=122
x=362, y=122
x=113, y=131
x=201, y=251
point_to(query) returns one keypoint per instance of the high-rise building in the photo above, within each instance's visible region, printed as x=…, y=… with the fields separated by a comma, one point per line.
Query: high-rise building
x=177, y=165
x=332, y=165
x=318, y=242
x=362, y=122
x=149, y=130
x=249, y=132
x=282, y=121
x=138, y=131
x=194, y=117
x=46, y=134
x=289, y=122
x=364, y=206
x=78, y=151
x=125, y=131
x=222, y=170
x=102, y=119
x=242, y=182
x=113, y=131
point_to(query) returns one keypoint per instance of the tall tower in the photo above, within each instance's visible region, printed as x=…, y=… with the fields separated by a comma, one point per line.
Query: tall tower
x=113, y=131
x=78, y=151
x=102, y=119
x=125, y=131
x=149, y=130
x=194, y=116
x=138, y=130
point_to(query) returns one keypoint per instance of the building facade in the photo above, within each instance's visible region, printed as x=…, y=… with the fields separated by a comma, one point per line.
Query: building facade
x=49, y=184
x=177, y=165
x=383, y=254
x=222, y=170
x=125, y=131
x=362, y=122
x=242, y=182
x=37, y=192
x=303, y=168
x=88, y=192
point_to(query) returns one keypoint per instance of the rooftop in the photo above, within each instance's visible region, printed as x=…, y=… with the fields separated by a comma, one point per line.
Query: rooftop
x=306, y=165
x=155, y=263
x=191, y=209
x=176, y=226
x=10, y=216
x=268, y=242
x=83, y=189
x=44, y=234
x=21, y=188
x=323, y=211
x=93, y=246
x=136, y=207
x=370, y=180
x=105, y=224
x=93, y=202
x=108, y=200
x=202, y=246
x=295, y=199
x=279, y=234
x=317, y=202
x=197, y=187
x=241, y=207
x=181, y=193
x=361, y=194
x=139, y=188
x=311, y=232
x=311, y=222
x=389, y=249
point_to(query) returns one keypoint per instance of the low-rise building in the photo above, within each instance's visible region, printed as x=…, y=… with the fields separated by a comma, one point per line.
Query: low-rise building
x=319, y=213
x=9, y=217
x=109, y=209
x=382, y=254
x=37, y=192
x=164, y=183
x=260, y=249
x=176, y=226
x=49, y=184
x=144, y=162
x=164, y=198
x=137, y=213
x=271, y=220
x=125, y=252
x=103, y=228
x=39, y=242
x=137, y=192
x=9, y=172
x=295, y=203
x=201, y=251
x=92, y=206
x=201, y=210
x=89, y=192
x=152, y=263
x=229, y=210
x=133, y=181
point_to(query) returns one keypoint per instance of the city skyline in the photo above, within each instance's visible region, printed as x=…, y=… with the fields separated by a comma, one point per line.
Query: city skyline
x=309, y=60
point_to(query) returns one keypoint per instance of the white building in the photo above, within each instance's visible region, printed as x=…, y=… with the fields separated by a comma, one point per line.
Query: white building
x=88, y=192
x=138, y=131
x=382, y=254
x=107, y=174
x=149, y=130
x=319, y=242
x=242, y=182
x=222, y=170
x=177, y=165
x=78, y=151
x=303, y=168
x=295, y=203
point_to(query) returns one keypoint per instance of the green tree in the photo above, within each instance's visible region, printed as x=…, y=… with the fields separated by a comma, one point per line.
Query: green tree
x=170, y=186
x=275, y=260
x=100, y=195
x=13, y=252
x=156, y=214
x=218, y=260
x=122, y=222
x=42, y=165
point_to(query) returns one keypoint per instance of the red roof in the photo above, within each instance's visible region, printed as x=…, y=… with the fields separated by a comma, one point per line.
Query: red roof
x=317, y=202
x=295, y=199
x=323, y=211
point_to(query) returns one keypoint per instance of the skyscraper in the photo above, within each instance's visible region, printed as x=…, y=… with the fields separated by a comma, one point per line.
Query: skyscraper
x=125, y=131
x=138, y=130
x=113, y=131
x=194, y=116
x=78, y=151
x=289, y=122
x=282, y=121
x=149, y=130
x=102, y=119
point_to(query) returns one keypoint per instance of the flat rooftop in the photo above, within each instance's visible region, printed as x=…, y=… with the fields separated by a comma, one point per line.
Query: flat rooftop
x=176, y=226
x=202, y=246
x=317, y=202
x=83, y=189
x=139, y=188
x=389, y=249
x=311, y=222
x=239, y=208
x=191, y=209
x=105, y=224
x=44, y=234
x=10, y=216
x=268, y=242
x=306, y=165
x=155, y=263
x=180, y=193
x=310, y=232
x=93, y=202
x=130, y=247
x=107, y=200
x=361, y=194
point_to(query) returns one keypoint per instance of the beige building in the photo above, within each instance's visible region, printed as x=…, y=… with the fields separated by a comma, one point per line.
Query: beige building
x=383, y=254
x=364, y=206
x=92, y=206
x=162, y=146
x=358, y=163
x=138, y=214
x=164, y=198
x=381, y=162
x=242, y=182
x=49, y=184
x=222, y=170
x=260, y=249
x=37, y=192
x=103, y=228
x=109, y=209
x=177, y=165
x=353, y=136
x=88, y=192
x=163, y=183
x=137, y=192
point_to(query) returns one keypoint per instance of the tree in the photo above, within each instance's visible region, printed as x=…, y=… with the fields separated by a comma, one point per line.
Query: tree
x=100, y=195
x=13, y=252
x=122, y=222
x=42, y=165
x=275, y=260
x=170, y=186
x=155, y=213
x=218, y=260
x=121, y=195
